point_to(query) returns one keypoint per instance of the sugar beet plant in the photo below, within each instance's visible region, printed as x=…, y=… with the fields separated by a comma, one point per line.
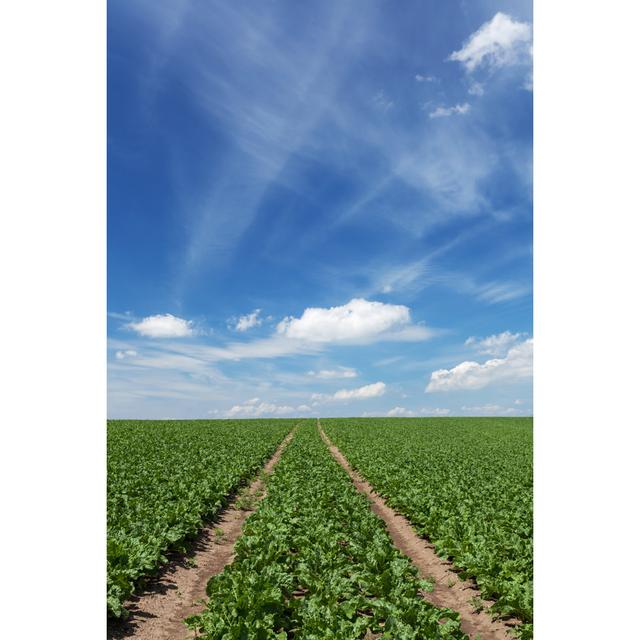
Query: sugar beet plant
x=314, y=562
x=466, y=484
x=164, y=479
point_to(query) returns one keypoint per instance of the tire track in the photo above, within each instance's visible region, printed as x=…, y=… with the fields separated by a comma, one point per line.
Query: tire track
x=180, y=590
x=449, y=591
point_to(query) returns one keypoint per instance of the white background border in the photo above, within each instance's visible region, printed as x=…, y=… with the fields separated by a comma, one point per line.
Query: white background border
x=53, y=266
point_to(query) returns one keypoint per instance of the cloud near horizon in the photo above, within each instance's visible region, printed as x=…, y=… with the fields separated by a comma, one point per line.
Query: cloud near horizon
x=516, y=365
x=373, y=390
x=253, y=408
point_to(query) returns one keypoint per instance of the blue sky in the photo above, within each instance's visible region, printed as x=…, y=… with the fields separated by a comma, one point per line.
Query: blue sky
x=319, y=209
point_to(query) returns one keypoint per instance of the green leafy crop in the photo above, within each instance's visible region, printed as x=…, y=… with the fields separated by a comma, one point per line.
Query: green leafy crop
x=466, y=484
x=164, y=479
x=314, y=562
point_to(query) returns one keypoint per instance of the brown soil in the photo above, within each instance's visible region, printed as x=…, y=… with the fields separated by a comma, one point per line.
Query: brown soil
x=180, y=590
x=449, y=591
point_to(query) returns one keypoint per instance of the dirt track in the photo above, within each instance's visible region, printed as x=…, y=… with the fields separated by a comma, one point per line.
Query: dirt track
x=158, y=612
x=449, y=591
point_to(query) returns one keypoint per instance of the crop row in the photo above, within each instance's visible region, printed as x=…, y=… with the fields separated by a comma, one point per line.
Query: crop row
x=466, y=484
x=164, y=479
x=314, y=562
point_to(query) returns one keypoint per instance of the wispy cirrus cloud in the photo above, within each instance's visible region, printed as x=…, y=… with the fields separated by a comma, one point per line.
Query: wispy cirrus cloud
x=494, y=345
x=332, y=374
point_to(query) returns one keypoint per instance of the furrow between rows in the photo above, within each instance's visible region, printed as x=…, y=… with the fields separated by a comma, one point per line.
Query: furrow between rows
x=449, y=590
x=180, y=590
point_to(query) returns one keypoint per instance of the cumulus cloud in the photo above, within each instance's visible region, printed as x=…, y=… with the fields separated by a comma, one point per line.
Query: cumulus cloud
x=358, y=321
x=516, y=365
x=253, y=408
x=400, y=412
x=494, y=345
x=368, y=391
x=128, y=353
x=163, y=326
x=422, y=78
x=248, y=321
x=445, y=112
x=330, y=374
x=500, y=42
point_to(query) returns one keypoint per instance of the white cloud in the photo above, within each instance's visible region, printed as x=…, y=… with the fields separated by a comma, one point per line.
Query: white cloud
x=254, y=408
x=330, y=374
x=163, y=326
x=358, y=321
x=445, y=112
x=128, y=353
x=249, y=321
x=368, y=391
x=516, y=365
x=422, y=78
x=435, y=412
x=494, y=345
x=400, y=412
x=500, y=42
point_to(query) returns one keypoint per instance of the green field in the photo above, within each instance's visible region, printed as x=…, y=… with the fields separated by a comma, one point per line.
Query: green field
x=313, y=560
x=315, y=536
x=466, y=484
x=164, y=479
